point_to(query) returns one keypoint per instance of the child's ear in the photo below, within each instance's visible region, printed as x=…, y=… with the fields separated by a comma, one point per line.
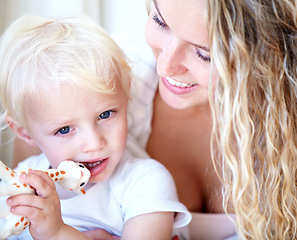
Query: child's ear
x=19, y=131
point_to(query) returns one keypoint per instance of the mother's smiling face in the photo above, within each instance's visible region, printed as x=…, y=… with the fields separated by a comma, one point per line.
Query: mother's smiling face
x=177, y=33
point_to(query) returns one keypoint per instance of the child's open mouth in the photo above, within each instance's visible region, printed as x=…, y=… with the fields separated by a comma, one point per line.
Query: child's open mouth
x=96, y=167
x=93, y=164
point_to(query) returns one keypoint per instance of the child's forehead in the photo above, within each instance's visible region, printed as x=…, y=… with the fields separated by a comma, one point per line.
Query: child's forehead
x=75, y=82
x=72, y=90
x=73, y=103
x=53, y=98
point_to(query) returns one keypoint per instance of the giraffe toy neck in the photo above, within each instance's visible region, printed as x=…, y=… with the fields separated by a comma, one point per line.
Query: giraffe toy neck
x=69, y=175
x=7, y=174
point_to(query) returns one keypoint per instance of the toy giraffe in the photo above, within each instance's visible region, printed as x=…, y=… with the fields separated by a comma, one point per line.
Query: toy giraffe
x=69, y=175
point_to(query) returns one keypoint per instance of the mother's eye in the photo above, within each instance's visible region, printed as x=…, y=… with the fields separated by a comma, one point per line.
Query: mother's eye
x=160, y=23
x=202, y=56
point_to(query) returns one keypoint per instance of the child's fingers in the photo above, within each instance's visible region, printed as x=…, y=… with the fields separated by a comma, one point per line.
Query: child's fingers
x=30, y=205
x=44, y=212
x=40, y=181
x=31, y=201
x=28, y=211
x=43, y=176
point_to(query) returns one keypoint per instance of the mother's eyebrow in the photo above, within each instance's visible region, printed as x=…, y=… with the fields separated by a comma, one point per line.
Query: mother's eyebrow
x=202, y=47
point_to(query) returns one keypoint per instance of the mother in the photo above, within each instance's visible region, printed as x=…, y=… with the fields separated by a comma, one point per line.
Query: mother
x=226, y=91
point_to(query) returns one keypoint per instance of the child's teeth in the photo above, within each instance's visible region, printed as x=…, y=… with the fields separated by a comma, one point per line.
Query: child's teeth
x=94, y=164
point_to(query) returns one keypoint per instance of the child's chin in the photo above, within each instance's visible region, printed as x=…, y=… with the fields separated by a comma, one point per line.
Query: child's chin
x=98, y=178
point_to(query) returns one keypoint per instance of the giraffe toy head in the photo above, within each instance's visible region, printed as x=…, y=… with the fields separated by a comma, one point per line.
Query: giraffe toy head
x=77, y=176
x=69, y=175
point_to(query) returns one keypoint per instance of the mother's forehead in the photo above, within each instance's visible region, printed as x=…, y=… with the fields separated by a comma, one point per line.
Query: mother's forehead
x=187, y=19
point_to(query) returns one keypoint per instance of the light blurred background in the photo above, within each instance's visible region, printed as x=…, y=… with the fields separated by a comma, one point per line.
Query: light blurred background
x=116, y=16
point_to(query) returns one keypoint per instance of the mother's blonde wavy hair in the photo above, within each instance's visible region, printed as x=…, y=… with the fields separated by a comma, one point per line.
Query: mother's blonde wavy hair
x=254, y=49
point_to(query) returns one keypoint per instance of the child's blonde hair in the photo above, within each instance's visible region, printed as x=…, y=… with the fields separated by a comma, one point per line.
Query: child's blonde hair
x=38, y=53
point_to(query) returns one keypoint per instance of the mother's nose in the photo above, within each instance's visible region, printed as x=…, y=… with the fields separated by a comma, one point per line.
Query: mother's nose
x=170, y=61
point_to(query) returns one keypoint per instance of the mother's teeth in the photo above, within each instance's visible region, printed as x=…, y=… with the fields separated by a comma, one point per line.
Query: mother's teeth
x=179, y=84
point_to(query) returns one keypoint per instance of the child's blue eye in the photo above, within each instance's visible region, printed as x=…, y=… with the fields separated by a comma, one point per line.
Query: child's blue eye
x=105, y=115
x=64, y=130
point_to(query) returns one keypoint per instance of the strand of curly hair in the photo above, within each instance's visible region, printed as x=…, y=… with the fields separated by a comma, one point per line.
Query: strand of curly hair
x=254, y=49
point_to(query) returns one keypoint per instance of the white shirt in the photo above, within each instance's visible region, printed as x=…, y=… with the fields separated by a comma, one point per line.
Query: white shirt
x=137, y=186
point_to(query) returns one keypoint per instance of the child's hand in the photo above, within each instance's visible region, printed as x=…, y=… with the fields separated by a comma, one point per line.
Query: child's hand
x=43, y=209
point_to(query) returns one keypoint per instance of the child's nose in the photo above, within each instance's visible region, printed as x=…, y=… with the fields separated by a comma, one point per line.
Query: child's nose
x=93, y=141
